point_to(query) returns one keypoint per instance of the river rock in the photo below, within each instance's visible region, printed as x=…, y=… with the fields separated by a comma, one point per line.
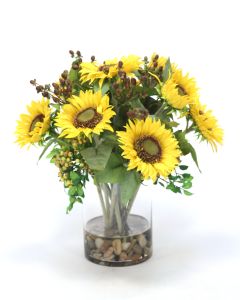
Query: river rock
x=135, y=257
x=106, y=244
x=125, y=246
x=99, y=242
x=147, y=251
x=123, y=256
x=109, y=258
x=137, y=249
x=117, y=246
x=97, y=255
x=133, y=243
x=142, y=241
x=108, y=252
x=90, y=242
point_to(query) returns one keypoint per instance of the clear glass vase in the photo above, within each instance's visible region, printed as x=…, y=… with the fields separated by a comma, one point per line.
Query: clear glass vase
x=116, y=233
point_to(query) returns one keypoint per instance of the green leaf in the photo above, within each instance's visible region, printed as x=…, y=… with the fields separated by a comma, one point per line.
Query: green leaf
x=97, y=158
x=114, y=171
x=173, y=188
x=186, y=147
x=110, y=138
x=136, y=103
x=55, y=105
x=187, y=185
x=167, y=71
x=96, y=86
x=72, y=191
x=105, y=88
x=73, y=75
x=183, y=167
x=80, y=191
x=62, y=143
x=129, y=186
x=45, y=148
x=187, y=176
x=187, y=193
x=53, y=153
x=75, y=177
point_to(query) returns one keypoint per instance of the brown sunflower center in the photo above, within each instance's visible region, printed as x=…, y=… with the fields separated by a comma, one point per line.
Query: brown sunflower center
x=148, y=149
x=87, y=118
x=38, y=118
x=181, y=90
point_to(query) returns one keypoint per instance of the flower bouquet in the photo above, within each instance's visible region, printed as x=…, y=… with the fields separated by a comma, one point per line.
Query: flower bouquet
x=120, y=123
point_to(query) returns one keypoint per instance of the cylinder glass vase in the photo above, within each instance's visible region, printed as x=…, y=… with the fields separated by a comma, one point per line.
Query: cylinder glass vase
x=117, y=233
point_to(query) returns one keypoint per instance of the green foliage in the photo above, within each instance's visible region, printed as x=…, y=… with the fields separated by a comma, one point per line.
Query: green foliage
x=105, y=87
x=178, y=183
x=130, y=98
x=129, y=185
x=50, y=142
x=73, y=75
x=186, y=147
x=115, y=172
x=167, y=71
x=97, y=157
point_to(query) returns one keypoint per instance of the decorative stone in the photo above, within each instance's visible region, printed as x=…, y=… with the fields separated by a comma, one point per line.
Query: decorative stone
x=117, y=246
x=135, y=257
x=137, y=249
x=99, y=242
x=125, y=246
x=109, y=258
x=108, y=253
x=90, y=242
x=133, y=242
x=147, y=251
x=123, y=256
x=97, y=255
x=142, y=241
x=106, y=244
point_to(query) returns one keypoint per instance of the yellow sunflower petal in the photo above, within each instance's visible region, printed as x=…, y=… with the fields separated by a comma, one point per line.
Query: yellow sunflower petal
x=86, y=114
x=31, y=127
x=166, y=155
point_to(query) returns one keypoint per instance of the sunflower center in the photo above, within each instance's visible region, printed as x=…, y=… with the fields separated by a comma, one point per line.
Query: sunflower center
x=148, y=149
x=181, y=90
x=87, y=118
x=38, y=118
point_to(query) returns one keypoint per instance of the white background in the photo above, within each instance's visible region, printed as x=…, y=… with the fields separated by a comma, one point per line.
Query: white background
x=196, y=239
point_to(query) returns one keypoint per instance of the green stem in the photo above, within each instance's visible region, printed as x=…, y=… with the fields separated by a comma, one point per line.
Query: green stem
x=102, y=204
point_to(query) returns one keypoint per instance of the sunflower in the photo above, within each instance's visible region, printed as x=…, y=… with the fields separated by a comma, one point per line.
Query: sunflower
x=150, y=148
x=180, y=90
x=207, y=124
x=91, y=71
x=32, y=126
x=131, y=63
x=85, y=114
